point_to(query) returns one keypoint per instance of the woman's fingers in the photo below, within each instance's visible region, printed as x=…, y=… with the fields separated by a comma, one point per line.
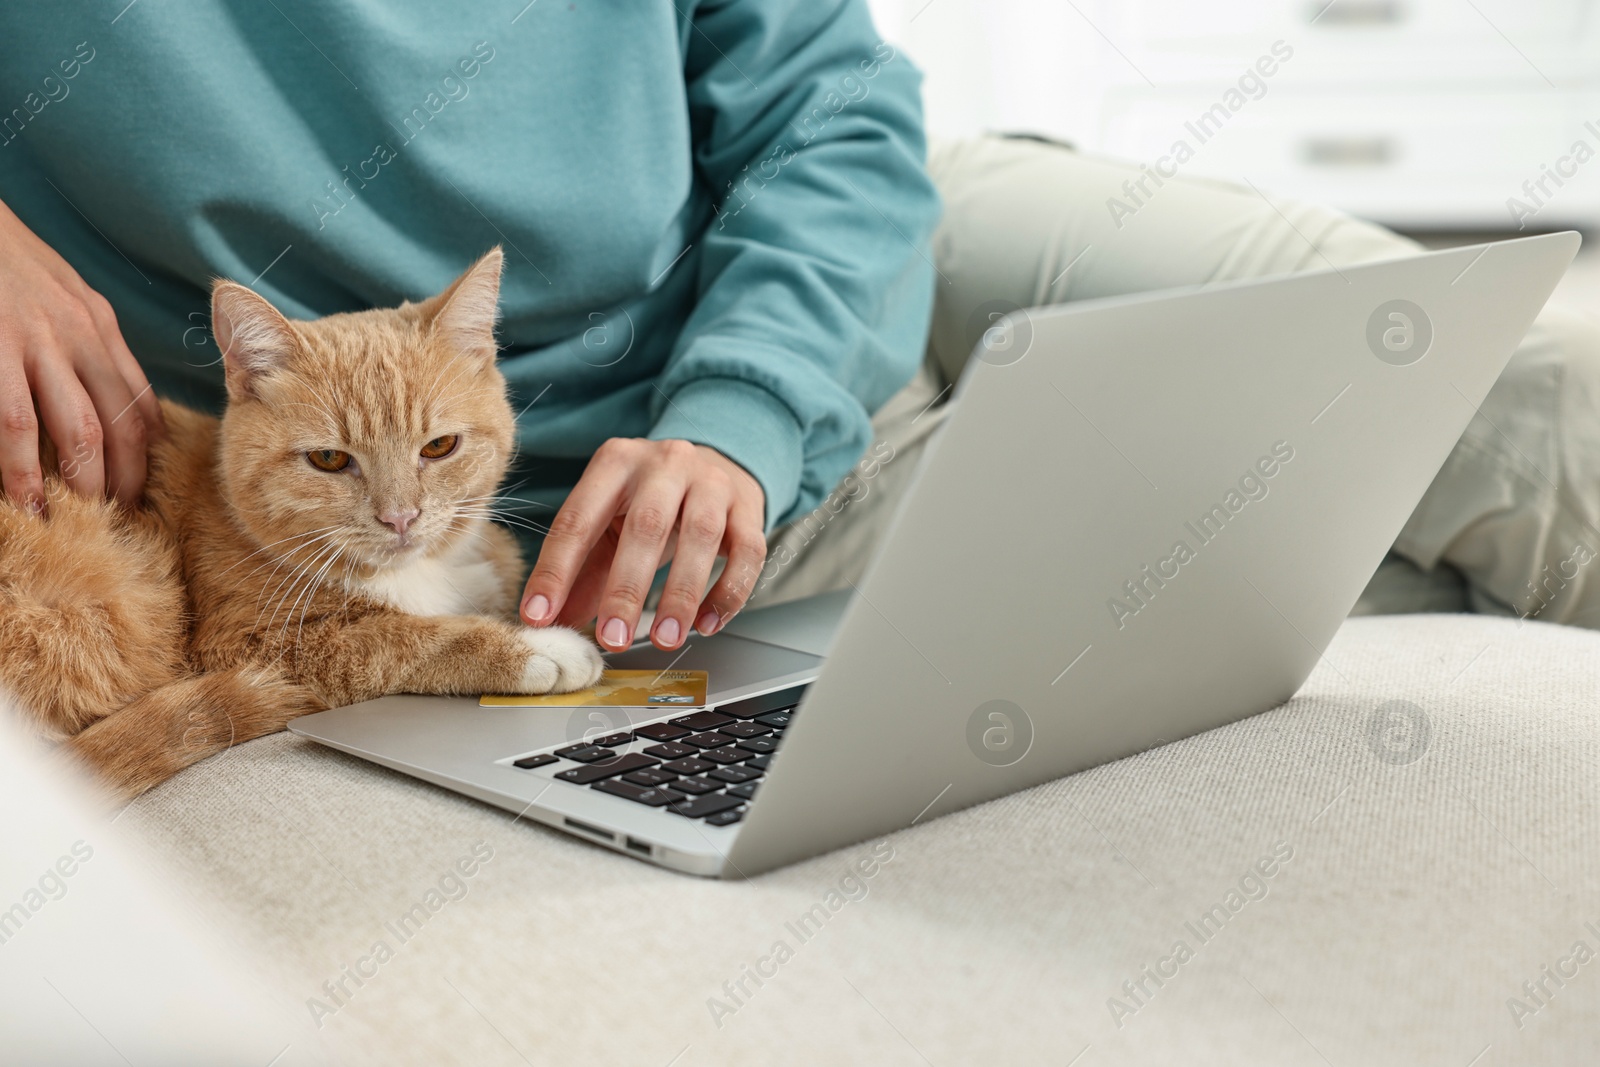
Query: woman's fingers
x=70, y=419
x=652, y=515
x=122, y=428
x=65, y=369
x=575, y=530
x=639, y=503
x=700, y=537
x=19, y=435
x=746, y=549
x=145, y=403
x=584, y=599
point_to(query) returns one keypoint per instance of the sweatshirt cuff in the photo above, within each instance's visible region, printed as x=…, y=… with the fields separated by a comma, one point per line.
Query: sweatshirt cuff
x=747, y=424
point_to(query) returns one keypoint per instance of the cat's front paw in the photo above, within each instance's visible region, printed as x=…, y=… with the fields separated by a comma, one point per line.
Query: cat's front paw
x=559, y=661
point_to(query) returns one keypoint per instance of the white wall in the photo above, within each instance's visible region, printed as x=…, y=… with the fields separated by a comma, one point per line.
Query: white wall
x=997, y=64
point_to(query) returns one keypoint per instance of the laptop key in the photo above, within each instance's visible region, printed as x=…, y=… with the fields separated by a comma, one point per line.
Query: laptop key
x=708, y=740
x=747, y=709
x=612, y=740
x=633, y=761
x=649, y=776
x=710, y=804
x=746, y=791
x=745, y=729
x=639, y=794
x=701, y=720
x=696, y=786
x=760, y=763
x=734, y=774
x=724, y=755
x=775, y=718
x=668, y=750
x=687, y=766
x=759, y=745
x=529, y=762
x=661, y=731
x=726, y=818
x=584, y=753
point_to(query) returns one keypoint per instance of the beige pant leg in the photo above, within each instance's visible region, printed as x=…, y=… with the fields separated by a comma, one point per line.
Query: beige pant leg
x=1516, y=507
x=1028, y=223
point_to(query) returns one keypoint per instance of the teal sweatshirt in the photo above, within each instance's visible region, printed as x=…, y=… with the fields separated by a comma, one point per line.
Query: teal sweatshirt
x=715, y=214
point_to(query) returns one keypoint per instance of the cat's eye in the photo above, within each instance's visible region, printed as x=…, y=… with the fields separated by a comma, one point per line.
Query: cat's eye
x=440, y=447
x=328, y=459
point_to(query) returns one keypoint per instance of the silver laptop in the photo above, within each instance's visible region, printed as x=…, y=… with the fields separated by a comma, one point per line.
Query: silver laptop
x=1145, y=517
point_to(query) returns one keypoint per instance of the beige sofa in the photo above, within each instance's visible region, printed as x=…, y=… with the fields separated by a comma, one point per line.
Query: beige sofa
x=1399, y=866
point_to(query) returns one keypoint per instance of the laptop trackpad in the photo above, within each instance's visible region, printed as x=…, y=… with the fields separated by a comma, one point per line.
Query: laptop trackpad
x=737, y=667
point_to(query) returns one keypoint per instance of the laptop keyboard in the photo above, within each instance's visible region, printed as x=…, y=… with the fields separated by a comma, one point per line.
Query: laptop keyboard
x=702, y=765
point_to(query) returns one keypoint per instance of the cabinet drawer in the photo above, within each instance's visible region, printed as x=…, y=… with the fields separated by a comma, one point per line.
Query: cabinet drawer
x=1439, y=22
x=1416, y=159
x=1354, y=41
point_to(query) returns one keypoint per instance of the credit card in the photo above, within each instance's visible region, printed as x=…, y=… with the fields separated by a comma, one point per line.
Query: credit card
x=619, y=689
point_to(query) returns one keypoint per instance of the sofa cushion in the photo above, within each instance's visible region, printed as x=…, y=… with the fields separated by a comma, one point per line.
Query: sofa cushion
x=1367, y=874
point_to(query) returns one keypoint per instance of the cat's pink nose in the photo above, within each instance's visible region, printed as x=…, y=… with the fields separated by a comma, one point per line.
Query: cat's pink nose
x=399, y=521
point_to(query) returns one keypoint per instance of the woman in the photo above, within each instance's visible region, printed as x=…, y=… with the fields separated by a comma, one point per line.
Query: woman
x=722, y=269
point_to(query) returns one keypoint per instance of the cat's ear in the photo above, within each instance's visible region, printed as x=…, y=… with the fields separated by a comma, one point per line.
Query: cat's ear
x=254, y=337
x=463, y=316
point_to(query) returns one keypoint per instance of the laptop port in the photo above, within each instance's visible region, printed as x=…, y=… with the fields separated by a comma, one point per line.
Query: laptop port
x=595, y=830
x=642, y=847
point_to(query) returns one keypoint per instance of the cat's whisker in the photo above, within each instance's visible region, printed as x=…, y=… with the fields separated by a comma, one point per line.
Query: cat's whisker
x=333, y=423
x=492, y=509
x=275, y=600
x=487, y=502
x=284, y=558
x=440, y=387
x=304, y=573
x=277, y=562
x=437, y=404
x=542, y=531
x=312, y=590
x=292, y=580
x=433, y=398
x=509, y=520
x=279, y=541
x=281, y=560
x=509, y=497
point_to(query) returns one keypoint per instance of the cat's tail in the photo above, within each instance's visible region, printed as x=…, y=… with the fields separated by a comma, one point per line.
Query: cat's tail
x=159, y=734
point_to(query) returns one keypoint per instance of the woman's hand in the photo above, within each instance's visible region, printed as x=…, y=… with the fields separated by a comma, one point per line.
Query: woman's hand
x=639, y=504
x=63, y=362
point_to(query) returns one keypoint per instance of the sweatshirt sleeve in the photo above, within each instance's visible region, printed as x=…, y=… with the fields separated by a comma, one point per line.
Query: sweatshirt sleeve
x=815, y=279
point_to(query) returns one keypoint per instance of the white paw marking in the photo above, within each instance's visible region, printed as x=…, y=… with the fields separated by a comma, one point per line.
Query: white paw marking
x=560, y=661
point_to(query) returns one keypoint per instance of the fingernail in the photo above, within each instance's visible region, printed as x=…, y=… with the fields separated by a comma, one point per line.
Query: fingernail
x=35, y=505
x=707, y=623
x=615, y=633
x=667, y=632
x=536, y=608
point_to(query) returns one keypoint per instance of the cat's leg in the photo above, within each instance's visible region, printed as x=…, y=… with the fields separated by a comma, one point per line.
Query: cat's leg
x=391, y=652
x=505, y=557
x=91, y=611
x=181, y=723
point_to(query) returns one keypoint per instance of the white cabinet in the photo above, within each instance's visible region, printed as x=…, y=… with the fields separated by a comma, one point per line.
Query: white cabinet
x=1418, y=113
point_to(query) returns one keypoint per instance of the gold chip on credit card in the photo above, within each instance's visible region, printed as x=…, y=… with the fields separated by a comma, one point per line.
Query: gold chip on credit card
x=619, y=689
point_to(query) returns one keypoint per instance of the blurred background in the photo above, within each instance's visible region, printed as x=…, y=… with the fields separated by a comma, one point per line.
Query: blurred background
x=1447, y=119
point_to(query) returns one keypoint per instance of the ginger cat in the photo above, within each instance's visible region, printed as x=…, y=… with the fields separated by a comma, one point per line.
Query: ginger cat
x=326, y=542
